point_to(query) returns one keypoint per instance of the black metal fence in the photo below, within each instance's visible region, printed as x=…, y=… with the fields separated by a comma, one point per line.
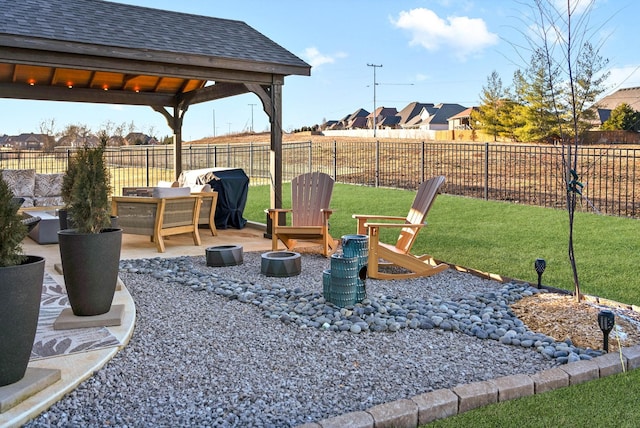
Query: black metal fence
x=529, y=174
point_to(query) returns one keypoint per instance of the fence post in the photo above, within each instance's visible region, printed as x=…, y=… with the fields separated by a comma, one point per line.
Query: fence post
x=310, y=155
x=251, y=159
x=486, y=171
x=146, y=165
x=228, y=155
x=377, y=171
x=335, y=160
x=423, y=162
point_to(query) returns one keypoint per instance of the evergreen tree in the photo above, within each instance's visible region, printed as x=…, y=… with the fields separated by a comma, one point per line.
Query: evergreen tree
x=623, y=118
x=588, y=84
x=538, y=113
x=492, y=102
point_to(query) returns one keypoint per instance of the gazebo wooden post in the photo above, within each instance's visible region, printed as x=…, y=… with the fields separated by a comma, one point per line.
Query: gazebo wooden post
x=271, y=97
x=275, y=155
x=175, y=123
x=177, y=141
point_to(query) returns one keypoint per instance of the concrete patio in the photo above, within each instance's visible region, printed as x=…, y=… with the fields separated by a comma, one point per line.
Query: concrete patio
x=75, y=368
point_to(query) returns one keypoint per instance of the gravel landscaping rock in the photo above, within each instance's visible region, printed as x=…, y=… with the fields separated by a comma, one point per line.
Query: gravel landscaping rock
x=227, y=347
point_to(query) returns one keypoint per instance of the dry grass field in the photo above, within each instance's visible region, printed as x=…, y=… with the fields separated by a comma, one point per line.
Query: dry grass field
x=522, y=173
x=264, y=137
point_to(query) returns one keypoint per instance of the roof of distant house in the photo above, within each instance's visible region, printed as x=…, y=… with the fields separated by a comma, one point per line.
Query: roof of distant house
x=412, y=110
x=629, y=96
x=444, y=112
x=464, y=113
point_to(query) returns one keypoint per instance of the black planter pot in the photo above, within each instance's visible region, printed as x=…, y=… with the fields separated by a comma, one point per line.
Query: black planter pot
x=66, y=222
x=63, y=216
x=20, y=294
x=90, y=263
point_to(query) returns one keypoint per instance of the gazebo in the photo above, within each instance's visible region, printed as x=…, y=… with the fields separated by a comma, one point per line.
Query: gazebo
x=97, y=51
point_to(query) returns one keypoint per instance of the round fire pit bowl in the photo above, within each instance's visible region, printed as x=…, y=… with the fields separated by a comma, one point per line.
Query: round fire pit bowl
x=281, y=263
x=224, y=255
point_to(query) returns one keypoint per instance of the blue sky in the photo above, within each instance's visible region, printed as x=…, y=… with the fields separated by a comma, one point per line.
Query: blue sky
x=431, y=51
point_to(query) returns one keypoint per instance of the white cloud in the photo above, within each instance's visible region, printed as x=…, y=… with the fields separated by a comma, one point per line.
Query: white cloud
x=460, y=35
x=314, y=58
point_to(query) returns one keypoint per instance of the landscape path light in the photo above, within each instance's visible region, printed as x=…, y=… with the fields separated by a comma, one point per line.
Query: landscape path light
x=606, y=321
x=540, y=265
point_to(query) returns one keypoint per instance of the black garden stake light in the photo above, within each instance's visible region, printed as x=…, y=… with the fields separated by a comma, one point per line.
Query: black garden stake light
x=540, y=266
x=606, y=321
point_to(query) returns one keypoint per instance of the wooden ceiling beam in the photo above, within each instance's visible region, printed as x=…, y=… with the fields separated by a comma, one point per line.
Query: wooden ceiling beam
x=214, y=92
x=83, y=95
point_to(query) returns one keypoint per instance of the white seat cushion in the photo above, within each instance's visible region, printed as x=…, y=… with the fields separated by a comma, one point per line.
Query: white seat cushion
x=169, y=192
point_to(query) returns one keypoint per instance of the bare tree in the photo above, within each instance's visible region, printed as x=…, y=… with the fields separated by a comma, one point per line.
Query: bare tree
x=48, y=128
x=563, y=37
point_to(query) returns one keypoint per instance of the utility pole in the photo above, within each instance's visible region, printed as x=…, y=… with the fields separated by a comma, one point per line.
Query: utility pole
x=374, y=96
x=252, y=117
x=214, y=123
x=229, y=123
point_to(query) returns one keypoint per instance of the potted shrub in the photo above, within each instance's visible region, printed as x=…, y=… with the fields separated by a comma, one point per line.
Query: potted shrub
x=20, y=291
x=90, y=252
x=67, y=185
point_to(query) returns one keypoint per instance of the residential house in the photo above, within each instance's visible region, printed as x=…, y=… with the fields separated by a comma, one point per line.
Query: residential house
x=462, y=120
x=603, y=107
x=416, y=115
x=434, y=117
x=380, y=115
x=329, y=124
x=78, y=141
x=26, y=141
x=139, y=138
x=411, y=112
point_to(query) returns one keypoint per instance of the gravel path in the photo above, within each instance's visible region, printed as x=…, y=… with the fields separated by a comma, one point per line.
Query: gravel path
x=224, y=358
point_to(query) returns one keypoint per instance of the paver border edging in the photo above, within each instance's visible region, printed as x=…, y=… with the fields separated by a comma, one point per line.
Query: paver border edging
x=444, y=403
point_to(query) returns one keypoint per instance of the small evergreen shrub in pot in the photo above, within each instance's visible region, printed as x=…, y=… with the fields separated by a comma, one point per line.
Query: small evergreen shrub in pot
x=90, y=251
x=20, y=291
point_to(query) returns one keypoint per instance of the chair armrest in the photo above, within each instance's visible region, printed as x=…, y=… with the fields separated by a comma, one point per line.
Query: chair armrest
x=377, y=217
x=396, y=225
x=363, y=218
x=278, y=210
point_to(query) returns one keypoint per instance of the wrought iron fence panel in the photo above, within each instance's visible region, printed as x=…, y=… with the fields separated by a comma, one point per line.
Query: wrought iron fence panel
x=528, y=174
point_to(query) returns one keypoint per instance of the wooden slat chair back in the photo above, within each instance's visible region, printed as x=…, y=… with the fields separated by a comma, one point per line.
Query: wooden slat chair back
x=383, y=254
x=158, y=217
x=422, y=203
x=310, y=194
x=310, y=199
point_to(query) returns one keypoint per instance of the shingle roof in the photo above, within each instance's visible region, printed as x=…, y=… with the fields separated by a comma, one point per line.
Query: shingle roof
x=411, y=110
x=445, y=111
x=106, y=23
x=629, y=96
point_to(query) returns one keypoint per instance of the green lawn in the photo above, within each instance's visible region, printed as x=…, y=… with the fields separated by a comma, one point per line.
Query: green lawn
x=505, y=239
x=500, y=238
